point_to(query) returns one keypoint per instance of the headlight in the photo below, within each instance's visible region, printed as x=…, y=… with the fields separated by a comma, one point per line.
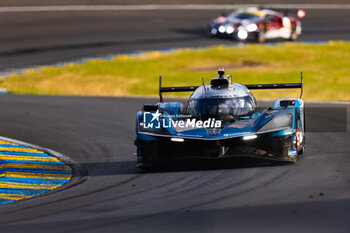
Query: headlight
x=278, y=122
x=252, y=27
x=229, y=29
x=177, y=139
x=222, y=29
x=242, y=34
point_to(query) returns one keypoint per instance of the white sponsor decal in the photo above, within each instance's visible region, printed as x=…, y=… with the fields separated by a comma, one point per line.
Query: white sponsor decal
x=153, y=120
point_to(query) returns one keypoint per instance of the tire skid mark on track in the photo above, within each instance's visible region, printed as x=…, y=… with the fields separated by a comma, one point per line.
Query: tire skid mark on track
x=189, y=185
x=202, y=183
x=261, y=184
x=175, y=188
x=163, y=189
x=65, y=199
x=134, y=178
x=139, y=217
x=235, y=184
x=203, y=180
x=167, y=196
x=136, y=192
x=178, y=182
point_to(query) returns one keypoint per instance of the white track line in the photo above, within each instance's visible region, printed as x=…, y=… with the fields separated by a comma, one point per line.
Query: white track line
x=165, y=7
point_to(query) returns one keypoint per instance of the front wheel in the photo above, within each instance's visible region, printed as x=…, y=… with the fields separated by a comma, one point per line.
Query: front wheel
x=260, y=36
x=293, y=35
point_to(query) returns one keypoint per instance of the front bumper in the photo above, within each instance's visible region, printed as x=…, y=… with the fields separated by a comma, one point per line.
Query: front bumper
x=264, y=146
x=215, y=32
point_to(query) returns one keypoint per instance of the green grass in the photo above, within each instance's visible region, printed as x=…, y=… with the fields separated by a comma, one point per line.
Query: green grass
x=326, y=70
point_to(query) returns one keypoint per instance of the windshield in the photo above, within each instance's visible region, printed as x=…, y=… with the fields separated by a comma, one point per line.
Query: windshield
x=221, y=108
x=244, y=16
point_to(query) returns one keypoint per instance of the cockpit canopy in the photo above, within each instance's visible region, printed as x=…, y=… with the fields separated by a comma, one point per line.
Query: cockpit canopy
x=221, y=108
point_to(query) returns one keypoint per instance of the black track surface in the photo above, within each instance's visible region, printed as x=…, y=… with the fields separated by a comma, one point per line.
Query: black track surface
x=98, y=133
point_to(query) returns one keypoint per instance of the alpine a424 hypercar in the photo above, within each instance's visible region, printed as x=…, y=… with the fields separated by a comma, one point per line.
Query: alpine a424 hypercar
x=220, y=120
x=257, y=25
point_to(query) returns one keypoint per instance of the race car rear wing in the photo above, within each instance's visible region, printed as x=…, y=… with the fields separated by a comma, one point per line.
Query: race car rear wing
x=249, y=86
x=173, y=89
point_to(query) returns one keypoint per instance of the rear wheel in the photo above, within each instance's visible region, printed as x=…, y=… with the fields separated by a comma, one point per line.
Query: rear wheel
x=300, y=138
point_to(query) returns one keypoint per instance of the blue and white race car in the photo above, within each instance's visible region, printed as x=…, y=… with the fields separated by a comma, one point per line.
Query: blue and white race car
x=220, y=120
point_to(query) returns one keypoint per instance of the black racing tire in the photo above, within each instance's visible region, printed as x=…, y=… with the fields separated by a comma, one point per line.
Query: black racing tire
x=302, y=145
x=148, y=150
x=293, y=35
x=301, y=151
x=260, y=36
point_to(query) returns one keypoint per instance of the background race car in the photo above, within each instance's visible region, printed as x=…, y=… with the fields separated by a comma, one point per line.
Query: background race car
x=257, y=25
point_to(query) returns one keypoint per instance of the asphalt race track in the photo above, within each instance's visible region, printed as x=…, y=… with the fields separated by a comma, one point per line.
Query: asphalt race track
x=98, y=133
x=36, y=38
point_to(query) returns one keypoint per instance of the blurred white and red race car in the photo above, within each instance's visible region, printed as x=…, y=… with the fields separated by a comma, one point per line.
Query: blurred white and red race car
x=257, y=25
